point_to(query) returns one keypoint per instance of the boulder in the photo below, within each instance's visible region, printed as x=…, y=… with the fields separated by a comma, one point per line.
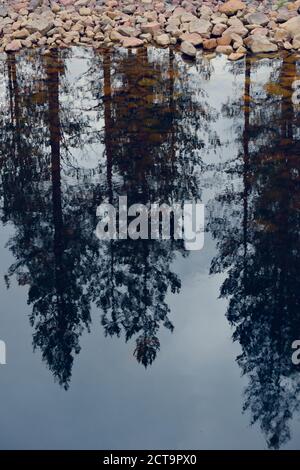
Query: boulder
x=188, y=17
x=13, y=46
x=257, y=18
x=224, y=40
x=236, y=56
x=21, y=34
x=188, y=49
x=152, y=28
x=296, y=41
x=163, y=40
x=84, y=11
x=194, y=38
x=281, y=35
x=260, y=44
x=132, y=42
x=292, y=26
x=41, y=25
x=200, y=26
x=219, y=29
x=231, y=7
x=224, y=50
x=128, y=31
x=239, y=30
x=3, y=11
x=209, y=44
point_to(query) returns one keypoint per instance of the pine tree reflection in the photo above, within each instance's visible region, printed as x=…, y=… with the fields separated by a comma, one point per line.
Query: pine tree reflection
x=152, y=152
x=260, y=252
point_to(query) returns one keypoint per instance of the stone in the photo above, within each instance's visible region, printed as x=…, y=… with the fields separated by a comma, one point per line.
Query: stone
x=224, y=40
x=129, y=9
x=260, y=44
x=292, y=26
x=3, y=11
x=188, y=49
x=132, y=42
x=257, y=18
x=241, y=50
x=26, y=43
x=234, y=21
x=219, y=19
x=146, y=36
x=115, y=36
x=84, y=11
x=163, y=40
x=210, y=55
x=236, y=38
x=200, y=27
x=281, y=35
x=194, y=38
x=173, y=22
x=178, y=12
x=239, y=30
x=205, y=11
x=188, y=17
x=173, y=30
x=260, y=32
x=219, y=29
x=236, y=56
x=296, y=41
x=81, y=3
x=42, y=25
x=55, y=7
x=284, y=15
x=128, y=31
x=13, y=46
x=209, y=44
x=152, y=28
x=231, y=7
x=224, y=50
x=21, y=34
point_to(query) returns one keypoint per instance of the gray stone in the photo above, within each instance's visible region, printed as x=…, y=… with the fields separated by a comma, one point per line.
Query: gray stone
x=239, y=30
x=163, y=40
x=292, y=26
x=128, y=31
x=188, y=49
x=284, y=15
x=3, y=11
x=260, y=44
x=42, y=25
x=200, y=26
x=13, y=46
x=257, y=18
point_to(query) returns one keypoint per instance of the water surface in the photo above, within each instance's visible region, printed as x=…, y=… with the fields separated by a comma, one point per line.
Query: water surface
x=142, y=344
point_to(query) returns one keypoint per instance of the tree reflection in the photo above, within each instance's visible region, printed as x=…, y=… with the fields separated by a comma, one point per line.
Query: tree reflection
x=260, y=251
x=149, y=148
x=152, y=150
x=148, y=128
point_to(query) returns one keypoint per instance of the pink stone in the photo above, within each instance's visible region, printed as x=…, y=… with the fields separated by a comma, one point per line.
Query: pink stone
x=132, y=42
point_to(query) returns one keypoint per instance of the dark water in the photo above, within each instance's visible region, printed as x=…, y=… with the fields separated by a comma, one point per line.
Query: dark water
x=142, y=344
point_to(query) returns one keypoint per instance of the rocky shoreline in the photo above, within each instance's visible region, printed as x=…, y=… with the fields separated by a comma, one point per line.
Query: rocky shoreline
x=234, y=28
